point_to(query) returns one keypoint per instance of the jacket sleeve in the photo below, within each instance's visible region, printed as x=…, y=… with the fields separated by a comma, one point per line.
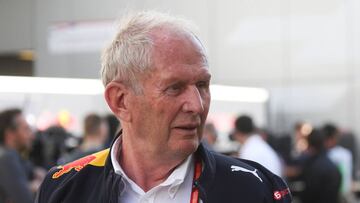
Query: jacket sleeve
x=47, y=187
x=40, y=193
x=279, y=189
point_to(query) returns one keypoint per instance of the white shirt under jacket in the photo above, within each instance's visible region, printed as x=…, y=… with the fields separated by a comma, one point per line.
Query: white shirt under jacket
x=176, y=188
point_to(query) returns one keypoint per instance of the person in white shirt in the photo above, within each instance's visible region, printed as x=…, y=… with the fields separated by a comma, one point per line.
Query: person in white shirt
x=340, y=156
x=253, y=147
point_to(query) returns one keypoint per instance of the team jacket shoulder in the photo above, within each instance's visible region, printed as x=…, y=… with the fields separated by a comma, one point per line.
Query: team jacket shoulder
x=96, y=159
x=59, y=178
x=259, y=180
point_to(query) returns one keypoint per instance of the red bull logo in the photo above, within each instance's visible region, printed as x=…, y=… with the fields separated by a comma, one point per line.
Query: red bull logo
x=76, y=165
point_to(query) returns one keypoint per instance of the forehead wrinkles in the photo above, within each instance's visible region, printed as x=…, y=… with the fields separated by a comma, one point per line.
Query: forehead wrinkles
x=170, y=47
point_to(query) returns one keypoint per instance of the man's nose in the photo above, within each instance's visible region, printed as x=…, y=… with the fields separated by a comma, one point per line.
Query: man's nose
x=193, y=101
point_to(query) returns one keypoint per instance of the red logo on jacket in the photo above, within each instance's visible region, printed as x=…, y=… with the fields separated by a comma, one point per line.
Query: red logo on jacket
x=77, y=165
x=280, y=194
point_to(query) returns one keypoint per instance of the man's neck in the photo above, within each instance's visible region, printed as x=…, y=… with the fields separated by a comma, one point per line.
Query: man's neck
x=145, y=169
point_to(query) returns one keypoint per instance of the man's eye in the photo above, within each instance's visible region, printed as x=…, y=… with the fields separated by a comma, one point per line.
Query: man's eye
x=202, y=84
x=174, y=89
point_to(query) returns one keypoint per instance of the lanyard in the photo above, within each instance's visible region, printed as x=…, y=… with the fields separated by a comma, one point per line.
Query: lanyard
x=195, y=190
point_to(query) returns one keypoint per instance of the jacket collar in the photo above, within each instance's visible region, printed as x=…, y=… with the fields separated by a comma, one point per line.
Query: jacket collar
x=108, y=165
x=203, y=183
x=209, y=168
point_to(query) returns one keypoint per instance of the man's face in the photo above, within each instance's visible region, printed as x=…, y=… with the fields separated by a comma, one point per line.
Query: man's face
x=23, y=135
x=170, y=114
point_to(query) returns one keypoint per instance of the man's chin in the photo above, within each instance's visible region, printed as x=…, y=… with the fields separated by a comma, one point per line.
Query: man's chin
x=187, y=147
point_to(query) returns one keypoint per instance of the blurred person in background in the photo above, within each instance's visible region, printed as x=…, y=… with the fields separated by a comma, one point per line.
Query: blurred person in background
x=157, y=83
x=341, y=157
x=209, y=136
x=281, y=143
x=296, y=146
x=114, y=126
x=16, y=173
x=302, y=130
x=95, y=135
x=253, y=147
x=348, y=140
x=318, y=173
x=49, y=146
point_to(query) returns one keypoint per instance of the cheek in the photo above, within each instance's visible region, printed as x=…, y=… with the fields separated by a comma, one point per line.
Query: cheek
x=206, y=103
x=166, y=109
x=206, y=96
x=141, y=109
x=165, y=116
x=153, y=116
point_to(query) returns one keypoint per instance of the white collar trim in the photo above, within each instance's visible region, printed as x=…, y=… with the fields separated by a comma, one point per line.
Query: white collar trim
x=174, y=181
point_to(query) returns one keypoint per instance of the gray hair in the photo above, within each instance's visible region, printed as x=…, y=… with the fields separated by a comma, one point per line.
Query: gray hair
x=129, y=53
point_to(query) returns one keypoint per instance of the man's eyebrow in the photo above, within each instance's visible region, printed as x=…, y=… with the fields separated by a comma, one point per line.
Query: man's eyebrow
x=206, y=75
x=170, y=80
x=167, y=81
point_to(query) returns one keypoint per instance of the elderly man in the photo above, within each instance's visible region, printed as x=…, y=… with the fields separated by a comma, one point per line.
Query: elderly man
x=156, y=80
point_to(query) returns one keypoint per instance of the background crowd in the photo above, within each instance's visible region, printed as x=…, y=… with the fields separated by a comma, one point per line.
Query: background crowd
x=318, y=162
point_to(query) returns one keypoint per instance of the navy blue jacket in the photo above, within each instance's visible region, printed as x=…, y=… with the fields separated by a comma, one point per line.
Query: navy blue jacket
x=223, y=179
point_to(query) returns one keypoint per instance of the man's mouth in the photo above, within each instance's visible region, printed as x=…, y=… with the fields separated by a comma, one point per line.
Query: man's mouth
x=188, y=127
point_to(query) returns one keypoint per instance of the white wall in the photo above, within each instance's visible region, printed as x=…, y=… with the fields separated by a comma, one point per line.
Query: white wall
x=87, y=64
x=16, y=25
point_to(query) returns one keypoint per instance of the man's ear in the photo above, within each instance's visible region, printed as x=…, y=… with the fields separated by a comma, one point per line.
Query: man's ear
x=116, y=95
